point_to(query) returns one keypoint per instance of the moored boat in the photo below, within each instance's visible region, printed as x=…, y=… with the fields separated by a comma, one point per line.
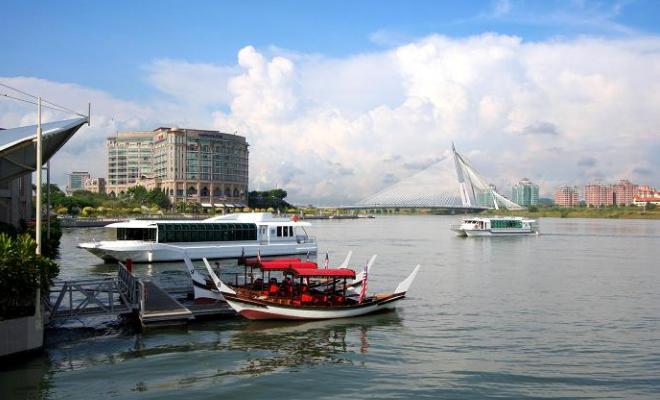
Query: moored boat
x=306, y=293
x=495, y=226
x=226, y=236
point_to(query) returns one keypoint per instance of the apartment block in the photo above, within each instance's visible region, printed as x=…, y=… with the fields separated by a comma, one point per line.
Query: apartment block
x=567, y=196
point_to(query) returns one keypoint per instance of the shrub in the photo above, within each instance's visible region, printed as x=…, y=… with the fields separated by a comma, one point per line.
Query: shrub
x=21, y=273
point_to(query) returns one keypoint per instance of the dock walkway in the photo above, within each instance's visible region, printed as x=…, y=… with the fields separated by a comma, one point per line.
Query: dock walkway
x=126, y=294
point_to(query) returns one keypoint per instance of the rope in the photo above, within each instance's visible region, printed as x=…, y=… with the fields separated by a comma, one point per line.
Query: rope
x=35, y=103
x=58, y=107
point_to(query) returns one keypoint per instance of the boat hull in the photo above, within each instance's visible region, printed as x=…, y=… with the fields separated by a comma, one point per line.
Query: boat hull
x=473, y=233
x=155, y=252
x=256, y=310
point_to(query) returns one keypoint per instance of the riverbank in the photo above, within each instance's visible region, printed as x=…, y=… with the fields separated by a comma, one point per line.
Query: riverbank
x=633, y=212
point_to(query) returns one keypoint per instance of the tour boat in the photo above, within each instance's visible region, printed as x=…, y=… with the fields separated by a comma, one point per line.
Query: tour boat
x=495, y=226
x=226, y=236
x=205, y=291
x=320, y=293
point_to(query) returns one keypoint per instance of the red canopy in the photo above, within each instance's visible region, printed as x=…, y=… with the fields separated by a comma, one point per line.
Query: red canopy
x=284, y=265
x=253, y=261
x=299, y=270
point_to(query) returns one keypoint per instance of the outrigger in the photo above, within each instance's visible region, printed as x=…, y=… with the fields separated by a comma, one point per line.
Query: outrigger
x=306, y=292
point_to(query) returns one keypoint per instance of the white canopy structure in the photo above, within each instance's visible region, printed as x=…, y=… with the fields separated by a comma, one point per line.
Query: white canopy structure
x=18, y=147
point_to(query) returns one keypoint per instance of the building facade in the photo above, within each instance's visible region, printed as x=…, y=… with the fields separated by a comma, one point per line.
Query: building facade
x=207, y=167
x=95, y=185
x=16, y=200
x=525, y=193
x=567, y=197
x=76, y=181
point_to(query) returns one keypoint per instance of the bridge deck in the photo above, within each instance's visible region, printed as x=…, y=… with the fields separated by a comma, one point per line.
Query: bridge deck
x=161, y=308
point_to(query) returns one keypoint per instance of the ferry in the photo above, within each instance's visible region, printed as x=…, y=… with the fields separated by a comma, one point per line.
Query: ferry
x=226, y=236
x=495, y=226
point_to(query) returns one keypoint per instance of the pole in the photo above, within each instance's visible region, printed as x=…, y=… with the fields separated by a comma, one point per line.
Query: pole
x=39, y=163
x=48, y=200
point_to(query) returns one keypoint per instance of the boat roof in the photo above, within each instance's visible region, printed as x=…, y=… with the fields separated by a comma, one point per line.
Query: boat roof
x=284, y=265
x=325, y=272
x=241, y=218
x=254, y=261
x=497, y=217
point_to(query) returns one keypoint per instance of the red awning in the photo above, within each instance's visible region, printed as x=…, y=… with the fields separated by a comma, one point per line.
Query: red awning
x=327, y=273
x=284, y=265
x=253, y=261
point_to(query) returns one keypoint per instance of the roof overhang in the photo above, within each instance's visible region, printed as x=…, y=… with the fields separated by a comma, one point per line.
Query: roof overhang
x=18, y=147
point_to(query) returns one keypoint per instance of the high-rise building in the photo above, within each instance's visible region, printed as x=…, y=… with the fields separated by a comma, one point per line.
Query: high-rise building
x=525, y=193
x=76, y=181
x=208, y=167
x=566, y=196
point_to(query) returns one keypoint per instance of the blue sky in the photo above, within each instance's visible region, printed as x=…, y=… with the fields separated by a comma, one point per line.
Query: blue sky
x=107, y=44
x=339, y=99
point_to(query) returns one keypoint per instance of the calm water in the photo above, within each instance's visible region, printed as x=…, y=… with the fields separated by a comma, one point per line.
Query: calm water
x=572, y=313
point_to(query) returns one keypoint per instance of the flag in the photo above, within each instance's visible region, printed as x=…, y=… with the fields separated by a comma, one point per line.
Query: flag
x=326, y=262
x=363, y=291
x=259, y=257
x=307, y=258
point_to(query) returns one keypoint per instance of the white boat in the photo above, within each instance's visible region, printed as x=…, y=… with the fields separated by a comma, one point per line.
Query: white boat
x=495, y=226
x=255, y=303
x=226, y=236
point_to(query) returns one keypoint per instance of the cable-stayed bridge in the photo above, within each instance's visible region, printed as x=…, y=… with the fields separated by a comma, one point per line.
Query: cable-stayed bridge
x=442, y=185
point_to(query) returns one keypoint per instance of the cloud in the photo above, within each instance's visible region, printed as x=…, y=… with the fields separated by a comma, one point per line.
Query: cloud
x=643, y=172
x=335, y=130
x=541, y=128
x=587, y=162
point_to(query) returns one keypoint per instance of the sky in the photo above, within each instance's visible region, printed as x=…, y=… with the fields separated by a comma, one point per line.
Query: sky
x=341, y=99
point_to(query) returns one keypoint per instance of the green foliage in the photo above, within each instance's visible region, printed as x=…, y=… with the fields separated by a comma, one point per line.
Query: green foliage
x=533, y=209
x=268, y=199
x=650, y=206
x=88, y=203
x=21, y=273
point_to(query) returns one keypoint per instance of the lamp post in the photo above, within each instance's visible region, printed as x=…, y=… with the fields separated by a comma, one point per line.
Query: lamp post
x=39, y=162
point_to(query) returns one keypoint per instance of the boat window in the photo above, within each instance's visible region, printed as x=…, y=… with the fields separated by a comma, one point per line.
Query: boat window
x=146, y=234
x=279, y=231
x=291, y=231
x=194, y=233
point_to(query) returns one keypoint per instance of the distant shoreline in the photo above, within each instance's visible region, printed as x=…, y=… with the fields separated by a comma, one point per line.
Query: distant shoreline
x=602, y=213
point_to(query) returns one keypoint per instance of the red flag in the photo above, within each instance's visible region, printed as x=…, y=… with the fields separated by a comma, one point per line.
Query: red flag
x=363, y=291
x=326, y=262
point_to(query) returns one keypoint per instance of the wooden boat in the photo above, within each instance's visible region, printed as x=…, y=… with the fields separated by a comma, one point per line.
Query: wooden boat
x=316, y=296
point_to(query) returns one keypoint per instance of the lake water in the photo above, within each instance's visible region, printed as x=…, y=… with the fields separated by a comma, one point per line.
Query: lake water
x=574, y=312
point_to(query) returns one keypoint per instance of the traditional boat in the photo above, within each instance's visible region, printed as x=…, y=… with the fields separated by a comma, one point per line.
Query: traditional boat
x=226, y=236
x=320, y=293
x=495, y=226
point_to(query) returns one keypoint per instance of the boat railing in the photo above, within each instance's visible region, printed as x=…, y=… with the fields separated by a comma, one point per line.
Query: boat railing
x=455, y=226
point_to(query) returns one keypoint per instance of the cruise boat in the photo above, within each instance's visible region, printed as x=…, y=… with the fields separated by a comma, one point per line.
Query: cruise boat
x=495, y=226
x=226, y=236
x=305, y=292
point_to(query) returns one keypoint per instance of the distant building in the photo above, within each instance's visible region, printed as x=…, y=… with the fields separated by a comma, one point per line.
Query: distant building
x=567, y=196
x=624, y=192
x=207, y=167
x=646, y=195
x=76, y=181
x=525, y=193
x=596, y=194
x=95, y=185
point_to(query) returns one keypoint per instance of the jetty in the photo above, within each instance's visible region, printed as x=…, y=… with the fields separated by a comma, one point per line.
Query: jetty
x=126, y=295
